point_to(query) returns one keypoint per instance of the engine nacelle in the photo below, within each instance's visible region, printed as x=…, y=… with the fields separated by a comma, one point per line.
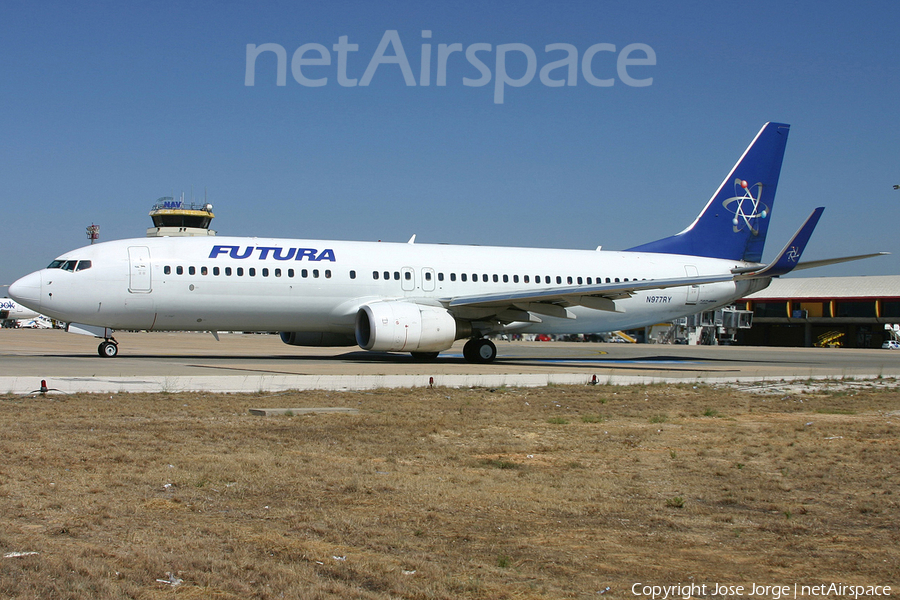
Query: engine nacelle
x=317, y=338
x=404, y=327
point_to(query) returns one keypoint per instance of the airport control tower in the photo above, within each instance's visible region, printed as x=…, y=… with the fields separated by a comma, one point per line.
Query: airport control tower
x=175, y=218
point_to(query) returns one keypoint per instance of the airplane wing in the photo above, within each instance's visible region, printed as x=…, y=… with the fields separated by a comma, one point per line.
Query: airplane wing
x=789, y=258
x=522, y=306
x=553, y=302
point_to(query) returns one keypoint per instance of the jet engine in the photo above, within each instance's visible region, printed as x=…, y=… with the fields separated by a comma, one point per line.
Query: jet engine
x=405, y=327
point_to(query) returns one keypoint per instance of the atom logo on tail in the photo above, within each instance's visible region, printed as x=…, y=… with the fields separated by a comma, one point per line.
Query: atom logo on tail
x=793, y=255
x=747, y=209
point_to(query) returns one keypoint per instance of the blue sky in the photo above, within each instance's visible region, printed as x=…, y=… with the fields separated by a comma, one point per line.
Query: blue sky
x=107, y=106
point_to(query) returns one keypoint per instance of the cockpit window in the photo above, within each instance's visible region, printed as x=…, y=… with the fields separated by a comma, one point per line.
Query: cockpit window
x=70, y=265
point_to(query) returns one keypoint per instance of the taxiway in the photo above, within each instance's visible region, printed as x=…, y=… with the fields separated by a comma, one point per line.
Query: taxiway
x=252, y=362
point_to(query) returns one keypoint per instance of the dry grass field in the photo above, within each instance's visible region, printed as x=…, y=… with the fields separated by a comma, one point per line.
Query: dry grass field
x=512, y=493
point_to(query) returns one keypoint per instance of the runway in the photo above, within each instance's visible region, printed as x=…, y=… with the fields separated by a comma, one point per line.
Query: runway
x=165, y=361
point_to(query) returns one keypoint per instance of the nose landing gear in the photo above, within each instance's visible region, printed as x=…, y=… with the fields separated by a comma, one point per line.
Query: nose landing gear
x=108, y=348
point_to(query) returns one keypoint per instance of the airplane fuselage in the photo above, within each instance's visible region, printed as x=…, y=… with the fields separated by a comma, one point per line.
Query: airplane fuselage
x=256, y=284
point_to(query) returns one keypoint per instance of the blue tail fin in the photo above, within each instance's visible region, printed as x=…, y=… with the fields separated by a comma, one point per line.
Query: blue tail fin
x=734, y=222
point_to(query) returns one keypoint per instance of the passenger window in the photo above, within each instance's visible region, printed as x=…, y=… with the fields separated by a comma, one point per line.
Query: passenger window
x=496, y=279
x=452, y=276
x=546, y=279
x=291, y=273
x=352, y=274
x=407, y=275
x=240, y=271
x=277, y=272
x=216, y=271
x=427, y=275
x=440, y=276
x=316, y=273
x=463, y=276
x=228, y=271
x=304, y=273
x=179, y=270
x=396, y=275
x=167, y=270
x=265, y=272
x=569, y=280
x=192, y=271
x=558, y=279
x=526, y=279
x=375, y=275
x=204, y=271
x=327, y=273
x=251, y=272
x=387, y=275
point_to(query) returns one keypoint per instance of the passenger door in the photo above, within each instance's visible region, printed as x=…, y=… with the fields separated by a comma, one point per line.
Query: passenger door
x=139, y=275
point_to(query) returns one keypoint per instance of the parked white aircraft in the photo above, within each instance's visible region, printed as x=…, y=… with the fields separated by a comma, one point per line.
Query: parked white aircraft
x=10, y=310
x=420, y=298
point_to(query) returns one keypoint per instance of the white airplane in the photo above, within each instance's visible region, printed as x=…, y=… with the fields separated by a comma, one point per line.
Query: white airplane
x=421, y=298
x=10, y=310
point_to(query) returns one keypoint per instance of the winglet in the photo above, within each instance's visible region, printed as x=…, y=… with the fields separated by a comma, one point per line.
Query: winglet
x=790, y=255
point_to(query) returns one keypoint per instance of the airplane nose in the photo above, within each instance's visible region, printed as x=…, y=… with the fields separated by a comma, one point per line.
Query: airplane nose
x=27, y=290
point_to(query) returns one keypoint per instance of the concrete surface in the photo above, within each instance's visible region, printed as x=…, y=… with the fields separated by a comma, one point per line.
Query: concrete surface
x=161, y=361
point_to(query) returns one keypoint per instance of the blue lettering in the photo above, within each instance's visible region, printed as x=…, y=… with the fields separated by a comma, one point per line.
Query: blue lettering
x=309, y=253
x=217, y=250
x=327, y=254
x=277, y=254
x=168, y=204
x=264, y=251
x=246, y=253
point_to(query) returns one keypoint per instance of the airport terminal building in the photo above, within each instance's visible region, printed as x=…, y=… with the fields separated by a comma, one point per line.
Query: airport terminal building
x=823, y=311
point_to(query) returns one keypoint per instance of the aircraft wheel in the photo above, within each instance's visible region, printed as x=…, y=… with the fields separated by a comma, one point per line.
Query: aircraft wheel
x=424, y=356
x=469, y=351
x=108, y=349
x=480, y=351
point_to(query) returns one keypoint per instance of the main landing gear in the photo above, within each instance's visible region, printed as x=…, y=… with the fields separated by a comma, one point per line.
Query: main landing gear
x=108, y=348
x=480, y=350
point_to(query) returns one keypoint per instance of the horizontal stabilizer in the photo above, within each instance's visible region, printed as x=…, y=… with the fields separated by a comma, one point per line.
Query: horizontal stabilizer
x=812, y=264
